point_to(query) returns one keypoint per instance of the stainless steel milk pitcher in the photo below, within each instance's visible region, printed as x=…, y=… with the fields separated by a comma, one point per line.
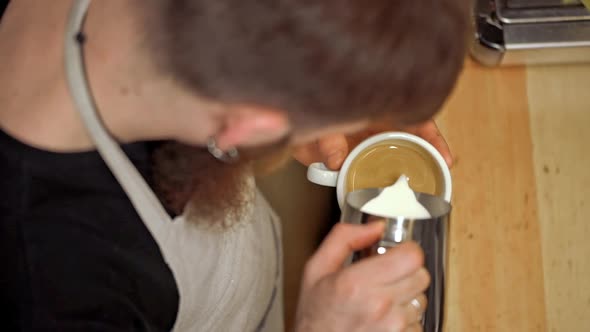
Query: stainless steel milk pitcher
x=431, y=234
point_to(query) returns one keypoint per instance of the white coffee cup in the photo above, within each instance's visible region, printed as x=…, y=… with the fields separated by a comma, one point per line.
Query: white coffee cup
x=318, y=173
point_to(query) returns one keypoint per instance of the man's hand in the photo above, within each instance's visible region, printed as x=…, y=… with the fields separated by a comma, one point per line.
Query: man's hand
x=332, y=150
x=375, y=294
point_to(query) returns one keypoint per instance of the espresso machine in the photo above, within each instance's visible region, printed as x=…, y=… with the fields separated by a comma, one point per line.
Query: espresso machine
x=528, y=32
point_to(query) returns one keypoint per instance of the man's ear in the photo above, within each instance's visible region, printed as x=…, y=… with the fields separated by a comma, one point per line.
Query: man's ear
x=248, y=126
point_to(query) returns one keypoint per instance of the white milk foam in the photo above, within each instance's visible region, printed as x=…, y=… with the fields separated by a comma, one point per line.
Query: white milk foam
x=397, y=200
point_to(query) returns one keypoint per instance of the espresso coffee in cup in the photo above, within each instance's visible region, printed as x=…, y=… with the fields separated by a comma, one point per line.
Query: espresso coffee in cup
x=381, y=164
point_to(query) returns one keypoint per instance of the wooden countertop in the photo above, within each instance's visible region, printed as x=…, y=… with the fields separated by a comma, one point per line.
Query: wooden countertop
x=520, y=229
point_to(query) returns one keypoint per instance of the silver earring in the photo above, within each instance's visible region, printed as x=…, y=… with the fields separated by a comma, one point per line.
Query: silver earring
x=228, y=156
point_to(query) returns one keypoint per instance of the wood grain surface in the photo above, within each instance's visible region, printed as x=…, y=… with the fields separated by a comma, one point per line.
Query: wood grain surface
x=495, y=266
x=559, y=106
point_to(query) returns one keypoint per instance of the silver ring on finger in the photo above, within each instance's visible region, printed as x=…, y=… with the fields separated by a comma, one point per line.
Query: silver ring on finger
x=416, y=304
x=418, y=308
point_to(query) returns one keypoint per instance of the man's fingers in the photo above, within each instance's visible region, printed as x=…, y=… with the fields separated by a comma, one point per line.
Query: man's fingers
x=406, y=317
x=333, y=150
x=414, y=310
x=330, y=150
x=417, y=306
x=409, y=288
x=416, y=327
x=340, y=243
x=391, y=267
x=307, y=154
x=430, y=132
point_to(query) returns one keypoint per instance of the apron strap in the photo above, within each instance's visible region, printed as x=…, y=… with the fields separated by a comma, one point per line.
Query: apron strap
x=139, y=192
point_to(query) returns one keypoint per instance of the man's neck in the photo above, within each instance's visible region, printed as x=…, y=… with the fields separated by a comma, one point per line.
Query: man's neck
x=35, y=105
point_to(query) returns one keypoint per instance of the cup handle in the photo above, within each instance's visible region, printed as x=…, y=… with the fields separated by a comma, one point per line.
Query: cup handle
x=318, y=173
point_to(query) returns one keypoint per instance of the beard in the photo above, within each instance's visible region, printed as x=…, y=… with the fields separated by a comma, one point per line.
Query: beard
x=191, y=182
